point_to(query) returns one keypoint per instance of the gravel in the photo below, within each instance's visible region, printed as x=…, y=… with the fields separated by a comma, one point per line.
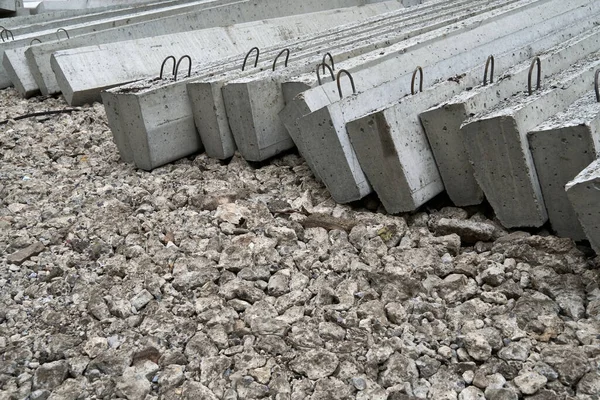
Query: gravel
x=224, y=280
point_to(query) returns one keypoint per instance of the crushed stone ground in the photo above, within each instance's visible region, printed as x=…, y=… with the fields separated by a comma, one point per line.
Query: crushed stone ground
x=211, y=280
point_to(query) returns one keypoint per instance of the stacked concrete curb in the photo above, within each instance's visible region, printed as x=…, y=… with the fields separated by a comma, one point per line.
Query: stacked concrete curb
x=488, y=100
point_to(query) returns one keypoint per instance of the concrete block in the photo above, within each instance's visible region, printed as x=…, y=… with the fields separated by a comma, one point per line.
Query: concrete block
x=391, y=145
x=207, y=107
x=212, y=119
x=496, y=142
x=584, y=194
x=8, y=6
x=148, y=159
x=253, y=102
x=61, y=19
x=159, y=134
x=562, y=147
x=136, y=59
x=442, y=123
x=76, y=28
x=49, y=6
x=113, y=106
x=444, y=57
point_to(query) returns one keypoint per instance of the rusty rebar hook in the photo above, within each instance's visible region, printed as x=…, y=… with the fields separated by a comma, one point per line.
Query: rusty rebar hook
x=7, y=32
x=339, y=83
x=189, y=66
x=248, y=55
x=162, y=67
x=330, y=71
x=414, y=77
x=490, y=62
x=33, y=40
x=539, y=75
x=287, y=58
x=62, y=30
x=330, y=59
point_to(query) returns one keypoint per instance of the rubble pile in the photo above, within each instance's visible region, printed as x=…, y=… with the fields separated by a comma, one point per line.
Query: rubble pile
x=213, y=280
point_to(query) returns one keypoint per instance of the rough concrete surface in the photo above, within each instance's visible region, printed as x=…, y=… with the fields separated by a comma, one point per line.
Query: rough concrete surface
x=496, y=142
x=442, y=123
x=207, y=96
x=141, y=58
x=584, y=193
x=562, y=147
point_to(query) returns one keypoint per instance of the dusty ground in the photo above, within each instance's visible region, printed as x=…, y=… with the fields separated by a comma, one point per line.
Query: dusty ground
x=202, y=280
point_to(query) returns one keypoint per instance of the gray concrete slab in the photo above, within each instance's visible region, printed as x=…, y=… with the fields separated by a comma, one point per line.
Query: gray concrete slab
x=391, y=145
x=183, y=106
x=8, y=6
x=235, y=63
x=134, y=60
x=562, y=147
x=49, y=6
x=113, y=104
x=584, y=194
x=497, y=144
x=206, y=94
x=148, y=157
x=177, y=13
x=387, y=82
x=253, y=102
x=37, y=57
x=55, y=20
x=442, y=123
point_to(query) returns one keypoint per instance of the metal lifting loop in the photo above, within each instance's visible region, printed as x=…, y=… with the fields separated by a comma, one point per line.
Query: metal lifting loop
x=339, y=83
x=34, y=40
x=248, y=55
x=326, y=55
x=189, y=66
x=287, y=57
x=330, y=71
x=539, y=75
x=162, y=67
x=488, y=63
x=7, y=32
x=596, y=87
x=414, y=77
x=62, y=30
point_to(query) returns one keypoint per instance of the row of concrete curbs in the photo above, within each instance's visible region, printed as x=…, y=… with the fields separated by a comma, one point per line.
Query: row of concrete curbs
x=7, y=34
x=403, y=111
x=506, y=138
